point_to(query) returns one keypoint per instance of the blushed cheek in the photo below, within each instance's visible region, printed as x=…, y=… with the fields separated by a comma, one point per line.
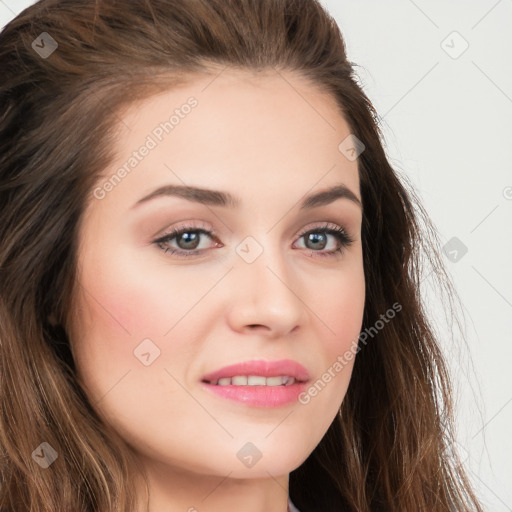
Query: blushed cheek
x=118, y=311
x=341, y=309
x=121, y=302
x=144, y=300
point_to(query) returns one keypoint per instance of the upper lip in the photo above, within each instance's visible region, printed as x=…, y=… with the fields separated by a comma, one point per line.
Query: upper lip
x=283, y=367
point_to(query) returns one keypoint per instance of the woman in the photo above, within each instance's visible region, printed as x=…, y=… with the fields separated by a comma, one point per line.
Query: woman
x=172, y=338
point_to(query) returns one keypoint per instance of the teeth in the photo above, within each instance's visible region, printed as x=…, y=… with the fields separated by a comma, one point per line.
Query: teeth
x=255, y=380
x=274, y=381
x=239, y=380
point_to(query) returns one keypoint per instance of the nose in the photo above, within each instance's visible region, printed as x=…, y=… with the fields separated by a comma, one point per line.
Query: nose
x=266, y=296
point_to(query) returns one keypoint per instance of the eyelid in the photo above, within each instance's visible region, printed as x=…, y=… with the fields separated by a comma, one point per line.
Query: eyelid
x=201, y=225
x=339, y=232
x=191, y=224
x=325, y=225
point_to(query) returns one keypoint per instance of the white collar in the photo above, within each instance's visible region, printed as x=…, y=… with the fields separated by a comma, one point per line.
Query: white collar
x=291, y=506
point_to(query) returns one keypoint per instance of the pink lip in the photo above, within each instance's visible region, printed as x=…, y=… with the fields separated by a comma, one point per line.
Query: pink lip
x=260, y=396
x=261, y=368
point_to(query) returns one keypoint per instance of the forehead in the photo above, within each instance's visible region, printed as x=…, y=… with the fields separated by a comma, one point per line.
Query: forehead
x=246, y=131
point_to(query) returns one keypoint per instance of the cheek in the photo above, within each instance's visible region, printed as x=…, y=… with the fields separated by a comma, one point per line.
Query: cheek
x=129, y=299
x=124, y=303
x=340, y=308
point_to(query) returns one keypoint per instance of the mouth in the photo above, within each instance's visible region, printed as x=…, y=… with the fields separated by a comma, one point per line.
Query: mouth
x=259, y=383
x=259, y=373
x=254, y=380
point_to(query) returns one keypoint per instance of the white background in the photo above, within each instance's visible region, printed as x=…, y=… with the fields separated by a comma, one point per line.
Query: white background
x=447, y=122
x=448, y=126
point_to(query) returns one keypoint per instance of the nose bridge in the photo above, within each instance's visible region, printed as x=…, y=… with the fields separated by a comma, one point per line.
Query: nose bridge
x=264, y=261
x=265, y=292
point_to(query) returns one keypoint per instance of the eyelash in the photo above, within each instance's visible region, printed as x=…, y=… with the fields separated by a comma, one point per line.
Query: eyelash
x=344, y=239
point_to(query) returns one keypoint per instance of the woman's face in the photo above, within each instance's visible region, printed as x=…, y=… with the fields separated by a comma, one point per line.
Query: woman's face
x=151, y=323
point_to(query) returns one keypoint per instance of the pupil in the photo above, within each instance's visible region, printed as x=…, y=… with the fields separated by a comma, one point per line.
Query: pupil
x=191, y=240
x=189, y=237
x=314, y=238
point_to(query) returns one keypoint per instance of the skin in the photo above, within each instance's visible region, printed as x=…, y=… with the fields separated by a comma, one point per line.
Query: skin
x=257, y=137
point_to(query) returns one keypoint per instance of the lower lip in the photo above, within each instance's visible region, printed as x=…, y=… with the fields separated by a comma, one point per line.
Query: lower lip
x=259, y=396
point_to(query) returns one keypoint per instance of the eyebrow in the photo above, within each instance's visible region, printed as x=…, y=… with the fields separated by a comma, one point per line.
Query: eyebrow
x=225, y=199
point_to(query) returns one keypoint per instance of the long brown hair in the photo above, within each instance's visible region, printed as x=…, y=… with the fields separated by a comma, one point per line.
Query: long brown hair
x=389, y=448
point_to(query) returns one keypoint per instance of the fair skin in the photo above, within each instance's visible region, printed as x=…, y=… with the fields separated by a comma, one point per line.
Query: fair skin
x=254, y=136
